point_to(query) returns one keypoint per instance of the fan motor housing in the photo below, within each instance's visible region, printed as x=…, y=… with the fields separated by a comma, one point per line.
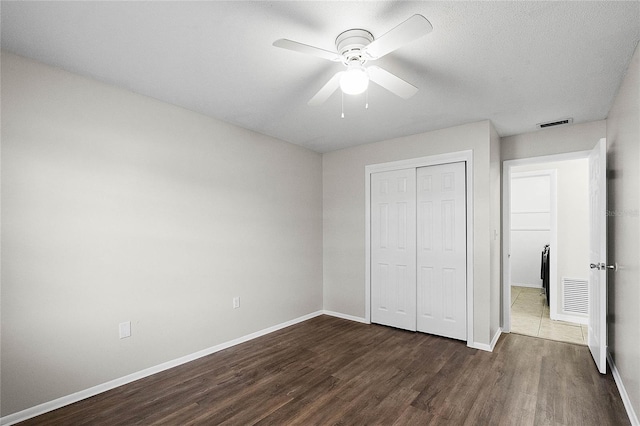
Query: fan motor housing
x=350, y=43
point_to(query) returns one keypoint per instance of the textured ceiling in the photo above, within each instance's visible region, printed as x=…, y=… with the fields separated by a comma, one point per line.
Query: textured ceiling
x=515, y=63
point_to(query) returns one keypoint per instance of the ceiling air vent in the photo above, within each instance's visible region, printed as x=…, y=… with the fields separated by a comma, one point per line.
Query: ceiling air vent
x=554, y=123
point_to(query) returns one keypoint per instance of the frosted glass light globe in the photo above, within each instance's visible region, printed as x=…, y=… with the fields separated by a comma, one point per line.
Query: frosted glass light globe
x=354, y=80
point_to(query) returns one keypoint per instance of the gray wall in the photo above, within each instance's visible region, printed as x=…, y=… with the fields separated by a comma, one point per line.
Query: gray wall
x=344, y=216
x=118, y=207
x=623, y=163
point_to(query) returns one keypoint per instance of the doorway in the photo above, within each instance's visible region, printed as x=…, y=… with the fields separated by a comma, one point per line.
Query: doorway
x=546, y=224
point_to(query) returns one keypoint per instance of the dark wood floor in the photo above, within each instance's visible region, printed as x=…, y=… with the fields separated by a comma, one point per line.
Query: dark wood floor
x=328, y=371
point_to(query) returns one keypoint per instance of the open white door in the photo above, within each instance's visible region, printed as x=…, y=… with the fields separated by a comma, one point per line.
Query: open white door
x=597, y=337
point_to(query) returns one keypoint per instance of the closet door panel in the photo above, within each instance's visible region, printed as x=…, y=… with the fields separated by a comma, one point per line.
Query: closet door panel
x=393, y=248
x=441, y=250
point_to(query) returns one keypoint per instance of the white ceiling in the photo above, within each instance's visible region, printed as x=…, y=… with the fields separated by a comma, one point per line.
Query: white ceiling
x=515, y=63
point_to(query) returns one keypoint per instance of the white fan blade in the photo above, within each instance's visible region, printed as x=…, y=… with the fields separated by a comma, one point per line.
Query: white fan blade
x=411, y=29
x=327, y=90
x=309, y=50
x=394, y=84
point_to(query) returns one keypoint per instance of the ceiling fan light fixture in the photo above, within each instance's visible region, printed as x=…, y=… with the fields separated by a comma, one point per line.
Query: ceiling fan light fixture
x=354, y=80
x=354, y=48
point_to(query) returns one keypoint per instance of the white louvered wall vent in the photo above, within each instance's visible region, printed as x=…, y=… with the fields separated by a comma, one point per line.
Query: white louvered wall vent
x=575, y=296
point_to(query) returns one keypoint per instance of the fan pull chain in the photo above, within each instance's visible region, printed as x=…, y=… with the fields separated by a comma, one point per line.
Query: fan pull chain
x=366, y=105
x=342, y=103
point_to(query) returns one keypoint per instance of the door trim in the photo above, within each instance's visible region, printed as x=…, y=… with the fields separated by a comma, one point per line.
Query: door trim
x=432, y=160
x=506, y=224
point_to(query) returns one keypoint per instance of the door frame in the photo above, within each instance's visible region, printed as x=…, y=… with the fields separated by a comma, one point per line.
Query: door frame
x=432, y=160
x=506, y=226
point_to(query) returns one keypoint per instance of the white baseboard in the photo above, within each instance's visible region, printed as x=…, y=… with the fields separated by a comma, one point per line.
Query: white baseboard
x=95, y=390
x=539, y=286
x=484, y=346
x=633, y=418
x=345, y=316
x=495, y=338
x=572, y=318
x=481, y=346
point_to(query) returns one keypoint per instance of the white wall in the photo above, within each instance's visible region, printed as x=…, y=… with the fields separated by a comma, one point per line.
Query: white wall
x=495, y=185
x=573, y=219
x=553, y=140
x=118, y=207
x=530, y=225
x=344, y=214
x=623, y=164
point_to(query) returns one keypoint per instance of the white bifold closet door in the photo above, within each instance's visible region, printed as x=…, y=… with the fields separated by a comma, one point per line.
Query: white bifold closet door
x=442, y=251
x=393, y=243
x=418, y=249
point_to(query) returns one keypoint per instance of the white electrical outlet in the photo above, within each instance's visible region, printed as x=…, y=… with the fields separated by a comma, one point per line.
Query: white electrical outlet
x=236, y=302
x=125, y=329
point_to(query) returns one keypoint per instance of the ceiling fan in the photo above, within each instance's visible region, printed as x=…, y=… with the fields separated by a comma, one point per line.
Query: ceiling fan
x=356, y=47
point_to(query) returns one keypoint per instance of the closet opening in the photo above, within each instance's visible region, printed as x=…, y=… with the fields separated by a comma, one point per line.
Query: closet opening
x=402, y=199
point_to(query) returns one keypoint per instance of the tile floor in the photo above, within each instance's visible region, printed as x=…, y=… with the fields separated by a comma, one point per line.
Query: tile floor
x=530, y=316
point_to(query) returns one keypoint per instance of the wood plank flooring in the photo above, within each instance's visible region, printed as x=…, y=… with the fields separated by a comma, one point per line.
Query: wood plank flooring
x=329, y=371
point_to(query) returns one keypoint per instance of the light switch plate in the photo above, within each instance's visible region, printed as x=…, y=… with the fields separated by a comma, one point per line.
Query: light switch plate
x=125, y=329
